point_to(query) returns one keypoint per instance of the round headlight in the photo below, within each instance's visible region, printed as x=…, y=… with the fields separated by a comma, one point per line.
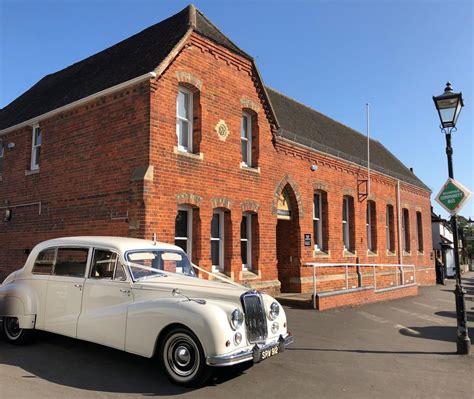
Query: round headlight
x=236, y=319
x=274, y=311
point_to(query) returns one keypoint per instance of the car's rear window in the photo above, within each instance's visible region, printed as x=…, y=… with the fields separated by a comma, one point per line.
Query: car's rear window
x=71, y=262
x=44, y=261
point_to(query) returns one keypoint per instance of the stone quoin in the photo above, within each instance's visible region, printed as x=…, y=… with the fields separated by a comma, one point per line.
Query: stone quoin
x=172, y=132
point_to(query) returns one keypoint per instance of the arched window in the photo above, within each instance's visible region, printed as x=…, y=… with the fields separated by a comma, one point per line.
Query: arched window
x=348, y=223
x=390, y=228
x=371, y=223
x=188, y=119
x=249, y=138
x=406, y=230
x=183, y=236
x=419, y=231
x=320, y=226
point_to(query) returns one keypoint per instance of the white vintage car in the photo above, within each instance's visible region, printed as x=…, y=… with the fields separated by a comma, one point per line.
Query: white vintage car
x=142, y=297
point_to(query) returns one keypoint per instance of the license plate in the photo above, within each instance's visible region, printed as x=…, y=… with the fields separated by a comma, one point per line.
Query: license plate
x=269, y=352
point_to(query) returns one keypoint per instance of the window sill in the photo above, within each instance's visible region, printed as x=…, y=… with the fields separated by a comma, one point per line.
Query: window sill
x=406, y=253
x=349, y=254
x=191, y=155
x=419, y=253
x=249, y=275
x=391, y=253
x=371, y=253
x=321, y=254
x=249, y=168
x=32, y=172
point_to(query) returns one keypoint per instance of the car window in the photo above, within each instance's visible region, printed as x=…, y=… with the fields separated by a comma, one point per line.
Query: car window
x=103, y=264
x=120, y=273
x=44, y=261
x=71, y=262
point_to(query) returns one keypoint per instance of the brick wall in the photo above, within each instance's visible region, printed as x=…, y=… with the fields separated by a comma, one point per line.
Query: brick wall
x=85, y=181
x=119, y=155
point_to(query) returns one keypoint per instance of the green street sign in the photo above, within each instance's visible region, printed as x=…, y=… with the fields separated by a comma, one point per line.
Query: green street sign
x=453, y=196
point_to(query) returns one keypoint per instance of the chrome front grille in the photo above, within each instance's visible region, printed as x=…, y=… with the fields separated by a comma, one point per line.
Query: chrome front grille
x=255, y=319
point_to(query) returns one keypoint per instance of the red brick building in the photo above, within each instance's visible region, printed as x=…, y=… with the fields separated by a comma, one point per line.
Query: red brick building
x=173, y=132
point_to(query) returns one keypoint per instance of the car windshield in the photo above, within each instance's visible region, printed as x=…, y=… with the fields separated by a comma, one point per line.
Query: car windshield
x=146, y=264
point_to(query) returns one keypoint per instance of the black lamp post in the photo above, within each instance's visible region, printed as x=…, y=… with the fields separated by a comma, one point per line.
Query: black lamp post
x=449, y=106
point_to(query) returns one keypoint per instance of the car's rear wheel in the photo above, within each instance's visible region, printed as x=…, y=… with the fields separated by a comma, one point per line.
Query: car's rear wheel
x=182, y=358
x=13, y=333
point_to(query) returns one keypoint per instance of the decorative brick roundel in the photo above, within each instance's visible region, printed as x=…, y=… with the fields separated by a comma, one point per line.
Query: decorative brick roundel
x=222, y=130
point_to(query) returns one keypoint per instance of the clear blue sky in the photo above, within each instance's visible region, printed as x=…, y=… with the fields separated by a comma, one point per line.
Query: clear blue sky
x=331, y=55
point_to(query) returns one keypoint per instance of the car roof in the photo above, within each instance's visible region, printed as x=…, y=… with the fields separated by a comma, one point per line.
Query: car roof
x=120, y=243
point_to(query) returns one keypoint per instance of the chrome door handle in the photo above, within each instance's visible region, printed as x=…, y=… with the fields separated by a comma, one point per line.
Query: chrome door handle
x=78, y=286
x=125, y=291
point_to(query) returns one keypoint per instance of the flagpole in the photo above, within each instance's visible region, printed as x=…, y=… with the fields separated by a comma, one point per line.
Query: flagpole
x=368, y=148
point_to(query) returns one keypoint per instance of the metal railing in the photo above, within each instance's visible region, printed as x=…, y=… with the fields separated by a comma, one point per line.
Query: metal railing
x=399, y=274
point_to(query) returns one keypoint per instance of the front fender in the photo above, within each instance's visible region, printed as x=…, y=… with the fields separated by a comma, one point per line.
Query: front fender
x=147, y=319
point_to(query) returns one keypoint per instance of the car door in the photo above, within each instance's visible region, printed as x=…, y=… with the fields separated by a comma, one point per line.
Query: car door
x=64, y=292
x=105, y=301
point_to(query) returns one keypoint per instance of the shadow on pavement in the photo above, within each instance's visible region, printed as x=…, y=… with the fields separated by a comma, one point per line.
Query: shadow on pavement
x=452, y=314
x=437, y=333
x=368, y=351
x=88, y=366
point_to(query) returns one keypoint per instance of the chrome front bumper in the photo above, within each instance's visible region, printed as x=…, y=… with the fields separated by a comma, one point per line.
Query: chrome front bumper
x=248, y=354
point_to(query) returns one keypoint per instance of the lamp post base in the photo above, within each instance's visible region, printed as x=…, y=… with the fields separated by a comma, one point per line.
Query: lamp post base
x=463, y=342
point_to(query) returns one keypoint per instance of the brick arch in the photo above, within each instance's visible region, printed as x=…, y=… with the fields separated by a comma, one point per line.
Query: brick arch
x=287, y=180
x=188, y=199
x=249, y=104
x=250, y=206
x=189, y=79
x=221, y=202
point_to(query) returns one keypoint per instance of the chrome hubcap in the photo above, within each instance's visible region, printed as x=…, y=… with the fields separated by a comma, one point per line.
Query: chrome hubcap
x=182, y=356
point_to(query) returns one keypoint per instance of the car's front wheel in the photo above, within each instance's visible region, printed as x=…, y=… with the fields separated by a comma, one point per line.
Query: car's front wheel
x=182, y=358
x=12, y=332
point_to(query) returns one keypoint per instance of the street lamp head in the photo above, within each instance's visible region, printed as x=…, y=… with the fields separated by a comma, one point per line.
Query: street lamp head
x=449, y=106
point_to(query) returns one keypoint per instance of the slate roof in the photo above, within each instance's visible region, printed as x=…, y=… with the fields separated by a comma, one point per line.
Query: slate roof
x=304, y=125
x=144, y=52
x=132, y=57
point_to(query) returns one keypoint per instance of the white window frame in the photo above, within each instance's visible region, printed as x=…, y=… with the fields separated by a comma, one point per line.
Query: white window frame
x=34, y=159
x=346, y=224
x=220, y=266
x=388, y=227
x=190, y=95
x=189, y=238
x=248, y=226
x=318, y=238
x=247, y=139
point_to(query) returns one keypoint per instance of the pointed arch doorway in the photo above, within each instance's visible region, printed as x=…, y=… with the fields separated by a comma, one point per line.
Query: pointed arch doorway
x=288, y=239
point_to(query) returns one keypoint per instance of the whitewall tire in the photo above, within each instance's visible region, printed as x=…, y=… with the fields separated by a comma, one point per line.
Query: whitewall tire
x=182, y=358
x=12, y=332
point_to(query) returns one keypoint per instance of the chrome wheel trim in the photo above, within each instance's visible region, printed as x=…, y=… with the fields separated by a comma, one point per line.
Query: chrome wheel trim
x=181, y=357
x=12, y=328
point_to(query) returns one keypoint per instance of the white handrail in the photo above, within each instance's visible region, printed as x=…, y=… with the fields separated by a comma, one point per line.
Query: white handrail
x=315, y=265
